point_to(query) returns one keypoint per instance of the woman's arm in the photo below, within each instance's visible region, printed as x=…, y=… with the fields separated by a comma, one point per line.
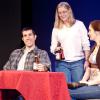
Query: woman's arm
x=54, y=40
x=87, y=54
x=86, y=75
x=95, y=82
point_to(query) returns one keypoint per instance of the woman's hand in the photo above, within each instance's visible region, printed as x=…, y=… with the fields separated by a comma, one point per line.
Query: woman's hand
x=83, y=81
x=57, y=49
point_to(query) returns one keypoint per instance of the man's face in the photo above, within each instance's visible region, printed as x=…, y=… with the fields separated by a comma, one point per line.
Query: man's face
x=28, y=38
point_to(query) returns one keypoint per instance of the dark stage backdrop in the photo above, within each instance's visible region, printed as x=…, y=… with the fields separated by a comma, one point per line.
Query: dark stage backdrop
x=43, y=13
x=10, y=24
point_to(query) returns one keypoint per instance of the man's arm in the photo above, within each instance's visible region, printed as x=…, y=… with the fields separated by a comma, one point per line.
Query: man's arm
x=7, y=66
x=11, y=59
x=45, y=60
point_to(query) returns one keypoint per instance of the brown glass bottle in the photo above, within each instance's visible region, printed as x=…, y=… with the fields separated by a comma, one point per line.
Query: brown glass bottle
x=59, y=53
x=36, y=62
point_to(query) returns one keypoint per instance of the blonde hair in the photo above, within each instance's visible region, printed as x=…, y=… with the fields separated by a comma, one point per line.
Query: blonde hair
x=58, y=22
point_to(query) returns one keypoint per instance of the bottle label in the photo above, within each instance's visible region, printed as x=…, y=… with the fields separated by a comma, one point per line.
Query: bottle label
x=57, y=56
x=35, y=66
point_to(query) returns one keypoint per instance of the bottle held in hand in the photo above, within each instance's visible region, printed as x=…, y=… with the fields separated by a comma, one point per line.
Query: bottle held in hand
x=59, y=53
x=36, y=62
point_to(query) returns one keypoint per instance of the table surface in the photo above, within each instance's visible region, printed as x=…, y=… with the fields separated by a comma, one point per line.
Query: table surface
x=36, y=85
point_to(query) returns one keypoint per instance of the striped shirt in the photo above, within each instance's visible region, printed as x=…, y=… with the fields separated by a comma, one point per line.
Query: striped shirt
x=16, y=55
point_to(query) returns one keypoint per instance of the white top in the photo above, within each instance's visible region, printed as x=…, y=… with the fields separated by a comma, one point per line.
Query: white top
x=74, y=40
x=92, y=59
x=22, y=61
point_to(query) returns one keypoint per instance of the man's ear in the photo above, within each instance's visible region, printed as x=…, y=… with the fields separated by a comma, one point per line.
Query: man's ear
x=35, y=37
x=22, y=38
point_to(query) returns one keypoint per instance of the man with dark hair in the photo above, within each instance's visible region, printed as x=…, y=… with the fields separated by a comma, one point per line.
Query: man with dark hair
x=23, y=59
x=27, y=57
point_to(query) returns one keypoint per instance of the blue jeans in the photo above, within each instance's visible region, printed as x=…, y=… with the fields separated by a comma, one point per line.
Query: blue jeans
x=85, y=92
x=73, y=70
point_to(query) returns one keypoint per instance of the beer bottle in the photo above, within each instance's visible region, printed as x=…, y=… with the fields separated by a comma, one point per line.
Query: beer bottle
x=59, y=53
x=36, y=62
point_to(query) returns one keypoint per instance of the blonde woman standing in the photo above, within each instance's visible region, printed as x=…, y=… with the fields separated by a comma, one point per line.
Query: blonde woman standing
x=72, y=35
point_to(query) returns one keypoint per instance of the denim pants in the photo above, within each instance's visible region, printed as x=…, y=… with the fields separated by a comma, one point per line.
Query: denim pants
x=73, y=70
x=85, y=92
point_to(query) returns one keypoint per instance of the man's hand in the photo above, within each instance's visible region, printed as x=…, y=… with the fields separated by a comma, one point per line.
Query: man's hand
x=41, y=67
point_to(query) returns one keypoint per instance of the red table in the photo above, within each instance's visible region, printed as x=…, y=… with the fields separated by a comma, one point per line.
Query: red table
x=36, y=85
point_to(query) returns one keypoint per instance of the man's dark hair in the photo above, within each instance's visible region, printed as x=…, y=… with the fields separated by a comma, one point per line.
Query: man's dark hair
x=28, y=28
